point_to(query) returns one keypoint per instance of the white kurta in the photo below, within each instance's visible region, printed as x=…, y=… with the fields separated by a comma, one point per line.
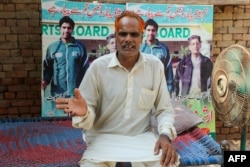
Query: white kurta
x=118, y=126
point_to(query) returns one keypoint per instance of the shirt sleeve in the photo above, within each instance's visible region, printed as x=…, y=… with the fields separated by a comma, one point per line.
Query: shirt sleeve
x=48, y=66
x=164, y=111
x=88, y=91
x=85, y=122
x=165, y=127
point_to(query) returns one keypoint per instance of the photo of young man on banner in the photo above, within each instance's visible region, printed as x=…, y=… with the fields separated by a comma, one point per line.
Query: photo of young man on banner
x=173, y=34
x=73, y=35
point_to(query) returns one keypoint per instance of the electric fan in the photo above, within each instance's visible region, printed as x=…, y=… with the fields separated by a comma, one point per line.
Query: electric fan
x=230, y=88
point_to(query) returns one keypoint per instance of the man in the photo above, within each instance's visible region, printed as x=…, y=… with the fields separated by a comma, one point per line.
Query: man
x=65, y=63
x=153, y=46
x=111, y=45
x=114, y=101
x=193, y=71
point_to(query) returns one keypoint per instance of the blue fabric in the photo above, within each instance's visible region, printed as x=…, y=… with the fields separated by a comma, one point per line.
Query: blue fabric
x=196, y=148
x=64, y=66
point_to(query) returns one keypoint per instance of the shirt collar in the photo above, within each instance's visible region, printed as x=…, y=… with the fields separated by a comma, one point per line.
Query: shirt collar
x=196, y=59
x=73, y=41
x=157, y=42
x=115, y=62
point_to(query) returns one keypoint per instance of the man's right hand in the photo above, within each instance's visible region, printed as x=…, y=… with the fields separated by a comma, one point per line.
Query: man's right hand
x=75, y=106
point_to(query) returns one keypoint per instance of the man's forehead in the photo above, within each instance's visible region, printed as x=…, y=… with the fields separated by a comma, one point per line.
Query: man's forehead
x=194, y=40
x=66, y=25
x=128, y=23
x=129, y=28
x=151, y=27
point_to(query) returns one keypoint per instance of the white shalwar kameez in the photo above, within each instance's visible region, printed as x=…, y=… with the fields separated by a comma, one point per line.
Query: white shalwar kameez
x=117, y=126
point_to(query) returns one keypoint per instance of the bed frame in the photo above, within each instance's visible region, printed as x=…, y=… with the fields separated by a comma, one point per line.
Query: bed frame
x=53, y=142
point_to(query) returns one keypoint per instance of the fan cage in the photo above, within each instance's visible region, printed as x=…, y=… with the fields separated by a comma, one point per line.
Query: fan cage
x=230, y=87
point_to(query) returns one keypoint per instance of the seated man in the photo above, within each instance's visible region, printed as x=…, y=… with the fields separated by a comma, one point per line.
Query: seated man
x=114, y=101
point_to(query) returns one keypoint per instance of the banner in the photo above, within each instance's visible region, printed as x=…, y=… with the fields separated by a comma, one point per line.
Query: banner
x=95, y=21
x=176, y=24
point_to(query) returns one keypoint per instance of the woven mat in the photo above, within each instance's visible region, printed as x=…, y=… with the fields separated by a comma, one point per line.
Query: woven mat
x=196, y=148
x=43, y=142
x=40, y=143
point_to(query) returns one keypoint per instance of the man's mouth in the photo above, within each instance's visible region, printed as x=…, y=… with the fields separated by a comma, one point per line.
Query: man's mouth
x=128, y=46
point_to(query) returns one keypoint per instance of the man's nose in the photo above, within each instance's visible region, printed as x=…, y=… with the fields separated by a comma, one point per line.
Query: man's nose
x=67, y=29
x=129, y=37
x=151, y=33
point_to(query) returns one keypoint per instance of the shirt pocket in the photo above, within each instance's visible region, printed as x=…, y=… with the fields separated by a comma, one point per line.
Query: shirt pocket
x=147, y=98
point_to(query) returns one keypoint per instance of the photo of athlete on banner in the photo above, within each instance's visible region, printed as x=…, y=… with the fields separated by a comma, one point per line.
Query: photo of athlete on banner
x=65, y=64
x=194, y=71
x=74, y=34
x=152, y=45
x=173, y=34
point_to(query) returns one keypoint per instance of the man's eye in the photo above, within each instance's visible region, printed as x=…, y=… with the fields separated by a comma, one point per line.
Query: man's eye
x=135, y=34
x=132, y=34
x=123, y=34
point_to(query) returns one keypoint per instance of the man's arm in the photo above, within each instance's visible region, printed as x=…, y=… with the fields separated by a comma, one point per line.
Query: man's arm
x=165, y=117
x=164, y=112
x=84, y=65
x=170, y=77
x=89, y=91
x=177, y=80
x=169, y=71
x=47, y=68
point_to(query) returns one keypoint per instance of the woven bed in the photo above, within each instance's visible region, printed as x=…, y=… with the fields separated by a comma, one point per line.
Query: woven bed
x=52, y=142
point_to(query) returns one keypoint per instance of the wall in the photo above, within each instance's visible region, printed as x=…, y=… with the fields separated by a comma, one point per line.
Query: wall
x=20, y=54
x=20, y=58
x=231, y=26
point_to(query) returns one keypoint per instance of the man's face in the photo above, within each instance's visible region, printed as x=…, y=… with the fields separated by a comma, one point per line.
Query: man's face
x=111, y=45
x=194, y=46
x=128, y=37
x=150, y=33
x=66, y=31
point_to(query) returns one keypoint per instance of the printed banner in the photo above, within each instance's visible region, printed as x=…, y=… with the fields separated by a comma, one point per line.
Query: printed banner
x=94, y=22
x=177, y=23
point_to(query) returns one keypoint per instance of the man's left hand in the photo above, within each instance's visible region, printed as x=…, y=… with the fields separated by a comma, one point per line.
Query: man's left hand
x=169, y=155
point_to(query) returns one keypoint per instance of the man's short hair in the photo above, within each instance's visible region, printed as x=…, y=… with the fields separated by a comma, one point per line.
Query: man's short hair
x=194, y=37
x=110, y=36
x=131, y=14
x=151, y=22
x=67, y=19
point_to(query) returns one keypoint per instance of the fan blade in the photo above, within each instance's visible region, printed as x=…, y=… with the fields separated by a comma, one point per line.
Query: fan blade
x=230, y=88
